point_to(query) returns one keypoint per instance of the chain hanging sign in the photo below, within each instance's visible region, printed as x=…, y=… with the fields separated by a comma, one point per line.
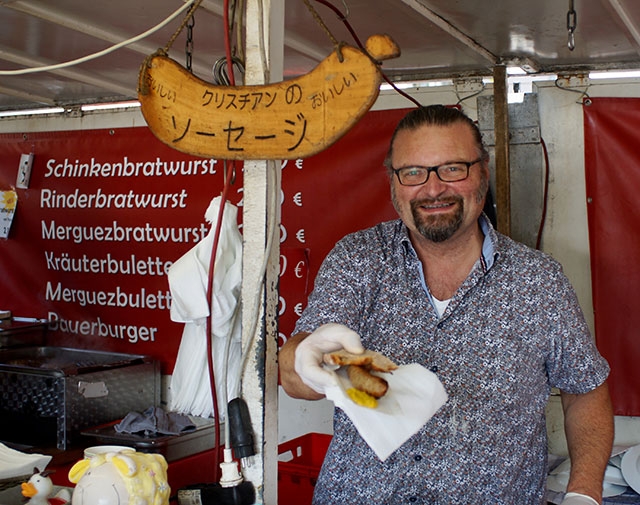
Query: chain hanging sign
x=291, y=119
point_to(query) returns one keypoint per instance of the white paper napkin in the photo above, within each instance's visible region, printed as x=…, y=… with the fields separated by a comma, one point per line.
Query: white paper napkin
x=18, y=464
x=415, y=394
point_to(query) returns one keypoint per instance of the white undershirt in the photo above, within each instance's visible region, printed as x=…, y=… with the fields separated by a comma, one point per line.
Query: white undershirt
x=440, y=305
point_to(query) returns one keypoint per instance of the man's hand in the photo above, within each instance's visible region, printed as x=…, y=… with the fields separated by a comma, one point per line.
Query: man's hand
x=308, y=355
x=578, y=499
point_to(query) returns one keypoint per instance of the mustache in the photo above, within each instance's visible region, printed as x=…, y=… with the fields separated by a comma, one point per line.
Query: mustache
x=430, y=202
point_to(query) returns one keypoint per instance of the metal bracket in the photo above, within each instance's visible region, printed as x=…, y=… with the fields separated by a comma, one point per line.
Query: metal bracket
x=577, y=80
x=468, y=85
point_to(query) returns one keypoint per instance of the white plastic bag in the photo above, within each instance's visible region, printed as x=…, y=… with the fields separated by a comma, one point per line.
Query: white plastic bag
x=190, y=391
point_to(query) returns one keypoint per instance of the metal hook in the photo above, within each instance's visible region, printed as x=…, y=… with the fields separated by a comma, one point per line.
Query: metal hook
x=346, y=10
x=232, y=180
x=572, y=20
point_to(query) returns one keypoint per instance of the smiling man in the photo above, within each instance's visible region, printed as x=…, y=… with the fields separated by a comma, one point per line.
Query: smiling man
x=497, y=322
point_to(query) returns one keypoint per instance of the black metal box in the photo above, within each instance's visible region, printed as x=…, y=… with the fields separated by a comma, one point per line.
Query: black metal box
x=49, y=394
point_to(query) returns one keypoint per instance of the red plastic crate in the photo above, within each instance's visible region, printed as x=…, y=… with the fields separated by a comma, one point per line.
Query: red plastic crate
x=298, y=474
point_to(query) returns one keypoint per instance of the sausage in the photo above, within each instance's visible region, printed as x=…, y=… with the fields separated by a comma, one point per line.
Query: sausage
x=365, y=381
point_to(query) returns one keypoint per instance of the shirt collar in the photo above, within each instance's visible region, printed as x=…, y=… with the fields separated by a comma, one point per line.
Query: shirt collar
x=489, y=245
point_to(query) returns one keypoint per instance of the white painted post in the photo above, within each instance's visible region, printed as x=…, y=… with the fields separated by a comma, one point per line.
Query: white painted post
x=261, y=216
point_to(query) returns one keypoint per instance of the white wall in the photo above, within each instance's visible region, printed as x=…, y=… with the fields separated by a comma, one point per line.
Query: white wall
x=565, y=236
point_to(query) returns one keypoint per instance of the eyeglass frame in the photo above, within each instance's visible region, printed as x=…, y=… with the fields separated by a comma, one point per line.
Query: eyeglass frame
x=435, y=169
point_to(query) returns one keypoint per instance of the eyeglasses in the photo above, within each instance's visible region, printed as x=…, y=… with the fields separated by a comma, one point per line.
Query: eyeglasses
x=449, y=172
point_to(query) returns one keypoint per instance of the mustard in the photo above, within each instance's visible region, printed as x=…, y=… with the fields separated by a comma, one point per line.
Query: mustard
x=362, y=398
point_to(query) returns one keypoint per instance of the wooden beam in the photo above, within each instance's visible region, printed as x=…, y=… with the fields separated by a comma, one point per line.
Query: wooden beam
x=501, y=129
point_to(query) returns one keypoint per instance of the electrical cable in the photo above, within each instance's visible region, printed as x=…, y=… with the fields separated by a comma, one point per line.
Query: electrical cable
x=583, y=94
x=544, y=193
x=227, y=45
x=231, y=79
x=462, y=99
x=271, y=222
x=271, y=234
x=229, y=171
x=212, y=261
x=271, y=229
x=236, y=486
x=344, y=20
x=271, y=237
x=240, y=6
x=83, y=59
x=261, y=43
x=219, y=71
x=225, y=378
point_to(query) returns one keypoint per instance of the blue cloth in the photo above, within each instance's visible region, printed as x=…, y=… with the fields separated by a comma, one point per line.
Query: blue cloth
x=512, y=331
x=155, y=421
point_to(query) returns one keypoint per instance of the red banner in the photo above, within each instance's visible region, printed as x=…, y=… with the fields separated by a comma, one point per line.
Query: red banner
x=612, y=164
x=106, y=212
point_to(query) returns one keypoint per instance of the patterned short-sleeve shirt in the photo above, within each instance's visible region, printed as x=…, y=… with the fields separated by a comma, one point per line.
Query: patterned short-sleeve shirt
x=512, y=331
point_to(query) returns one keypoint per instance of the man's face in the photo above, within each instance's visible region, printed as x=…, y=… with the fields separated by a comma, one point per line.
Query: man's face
x=439, y=210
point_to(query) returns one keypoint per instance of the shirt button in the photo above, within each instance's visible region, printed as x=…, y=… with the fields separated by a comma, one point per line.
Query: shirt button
x=417, y=457
x=413, y=499
x=434, y=368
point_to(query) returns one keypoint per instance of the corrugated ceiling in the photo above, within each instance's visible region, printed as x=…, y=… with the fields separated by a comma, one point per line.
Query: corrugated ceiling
x=438, y=38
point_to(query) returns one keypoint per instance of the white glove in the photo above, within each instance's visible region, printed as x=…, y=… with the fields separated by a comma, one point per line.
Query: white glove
x=578, y=499
x=308, y=356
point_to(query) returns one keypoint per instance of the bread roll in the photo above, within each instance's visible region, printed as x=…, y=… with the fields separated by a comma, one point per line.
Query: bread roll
x=371, y=359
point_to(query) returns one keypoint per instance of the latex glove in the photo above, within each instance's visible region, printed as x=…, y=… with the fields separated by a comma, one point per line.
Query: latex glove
x=308, y=356
x=578, y=499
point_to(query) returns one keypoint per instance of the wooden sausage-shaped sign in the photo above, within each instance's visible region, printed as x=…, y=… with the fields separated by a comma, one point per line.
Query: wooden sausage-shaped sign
x=287, y=120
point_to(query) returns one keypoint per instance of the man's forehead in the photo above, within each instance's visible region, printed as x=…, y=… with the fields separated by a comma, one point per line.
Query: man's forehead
x=454, y=137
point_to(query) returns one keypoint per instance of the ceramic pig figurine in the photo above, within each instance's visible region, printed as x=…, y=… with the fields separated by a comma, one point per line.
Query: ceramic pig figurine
x=120, y=478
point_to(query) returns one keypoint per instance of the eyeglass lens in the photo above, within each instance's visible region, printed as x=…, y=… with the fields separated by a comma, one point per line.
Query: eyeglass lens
x=451, y=172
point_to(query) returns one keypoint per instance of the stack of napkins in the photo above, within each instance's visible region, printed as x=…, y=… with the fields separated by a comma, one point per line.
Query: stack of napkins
x=15, y=464
x=415, y=394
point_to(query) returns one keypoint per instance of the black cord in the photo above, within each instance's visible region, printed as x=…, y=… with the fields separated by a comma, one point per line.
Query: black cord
x=343, y=18
x=545, y=191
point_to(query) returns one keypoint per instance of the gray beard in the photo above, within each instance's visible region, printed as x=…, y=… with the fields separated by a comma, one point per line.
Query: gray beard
x=438, y=228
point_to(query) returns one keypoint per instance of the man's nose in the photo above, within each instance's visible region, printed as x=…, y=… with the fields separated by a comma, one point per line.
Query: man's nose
x=433, y=185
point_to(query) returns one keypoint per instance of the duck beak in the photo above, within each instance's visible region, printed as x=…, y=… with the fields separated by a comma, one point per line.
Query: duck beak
x=28, y=489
